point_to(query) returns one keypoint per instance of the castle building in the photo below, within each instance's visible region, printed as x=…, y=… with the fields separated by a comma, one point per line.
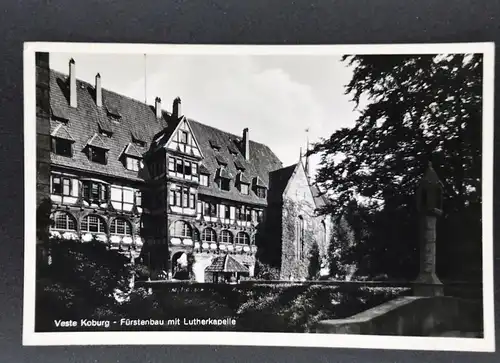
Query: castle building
x=167, y=190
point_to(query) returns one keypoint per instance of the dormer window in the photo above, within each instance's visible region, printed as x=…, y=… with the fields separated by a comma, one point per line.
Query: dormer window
x=224, y=184
x=62, y=142
x=62, y=147
x=107, y=134
x=244, y=189
x=59, y=114
x=243, y=183
x=98, y=155
x=104, y=129
x=259, y=187
x=239, y=165
x=215, y=145
x=223, y=178
x=113, y=111
x=131, y=158
x=260, y=192
x=221, y=160
x=132, y=164
x=232, y=150
x=138, y=142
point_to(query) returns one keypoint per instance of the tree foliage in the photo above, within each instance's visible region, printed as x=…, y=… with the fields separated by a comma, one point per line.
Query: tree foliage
x=413, y=109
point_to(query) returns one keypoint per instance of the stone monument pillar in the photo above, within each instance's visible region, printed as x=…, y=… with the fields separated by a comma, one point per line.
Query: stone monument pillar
x=429, y=206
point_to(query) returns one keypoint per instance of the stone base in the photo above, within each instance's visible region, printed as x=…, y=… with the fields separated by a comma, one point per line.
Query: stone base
x=428, y=284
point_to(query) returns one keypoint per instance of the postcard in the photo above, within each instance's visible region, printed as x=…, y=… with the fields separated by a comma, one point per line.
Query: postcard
x=315, y=196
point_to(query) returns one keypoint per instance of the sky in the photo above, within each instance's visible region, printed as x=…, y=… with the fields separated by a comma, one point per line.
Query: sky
x=277, y=97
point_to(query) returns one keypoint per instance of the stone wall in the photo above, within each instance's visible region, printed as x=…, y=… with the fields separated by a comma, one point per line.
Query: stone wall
x=412, y=316
x=298, y=203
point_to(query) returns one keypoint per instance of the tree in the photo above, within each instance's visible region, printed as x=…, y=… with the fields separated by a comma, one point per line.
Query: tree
x=413, y=109
x=314, y=262
x=81, y=282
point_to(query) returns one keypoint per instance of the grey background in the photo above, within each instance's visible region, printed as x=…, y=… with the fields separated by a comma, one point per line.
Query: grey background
x=202, y=21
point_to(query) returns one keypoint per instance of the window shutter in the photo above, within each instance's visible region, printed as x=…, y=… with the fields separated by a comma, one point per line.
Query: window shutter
x=199, y=207
x=232, y=212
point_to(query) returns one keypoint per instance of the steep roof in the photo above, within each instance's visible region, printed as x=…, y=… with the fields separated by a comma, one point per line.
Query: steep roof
x=127, y=120
x=261, y=162
x=87, y=119
x=226, y=263
x=278, y=182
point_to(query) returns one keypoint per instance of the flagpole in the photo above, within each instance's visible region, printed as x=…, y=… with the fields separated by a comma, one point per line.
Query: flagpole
x=145, y=80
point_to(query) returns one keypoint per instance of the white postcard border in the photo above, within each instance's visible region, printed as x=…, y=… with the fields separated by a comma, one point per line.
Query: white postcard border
x=30, y=337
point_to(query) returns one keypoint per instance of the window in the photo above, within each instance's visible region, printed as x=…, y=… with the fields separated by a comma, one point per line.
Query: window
x=185, y=197
x=121, y=226
x=97, y=155
x=244, y=189
x=64, y=221
x=187, y=168
x=62, y=147
x=171, y=164
x=226, y=237
x=224, y=184
x=64, y=186
x=56, y=185
x=208, y=235
x=323, y=232
x=182, y=197
x=138, y=198
x=181, y=229
x=138, y=142
x=183, y=137
x=204, y=180
x=261, y=192
x=93, y=223
x=300, y=238
x=244, y=214
x=178, y=166
x=242, y=238
x=123, y=198
x=132, y=163
x=95, y=191
x=210, y=209
x=227, y=212
x=260, y=216
x=196, y=235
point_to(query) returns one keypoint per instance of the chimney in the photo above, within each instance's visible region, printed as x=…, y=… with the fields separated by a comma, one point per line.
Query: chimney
x=177, y=109
x=72, y=83
x=158, y=107
x=246, y=144
x=98, y=90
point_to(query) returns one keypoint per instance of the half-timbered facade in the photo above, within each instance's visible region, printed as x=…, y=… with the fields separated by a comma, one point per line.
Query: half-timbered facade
x=153, y=184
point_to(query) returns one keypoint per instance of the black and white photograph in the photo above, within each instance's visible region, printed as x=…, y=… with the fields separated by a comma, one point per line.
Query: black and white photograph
x=322, y=196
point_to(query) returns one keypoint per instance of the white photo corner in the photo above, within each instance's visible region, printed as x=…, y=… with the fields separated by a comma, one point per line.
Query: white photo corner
x=315, y=196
